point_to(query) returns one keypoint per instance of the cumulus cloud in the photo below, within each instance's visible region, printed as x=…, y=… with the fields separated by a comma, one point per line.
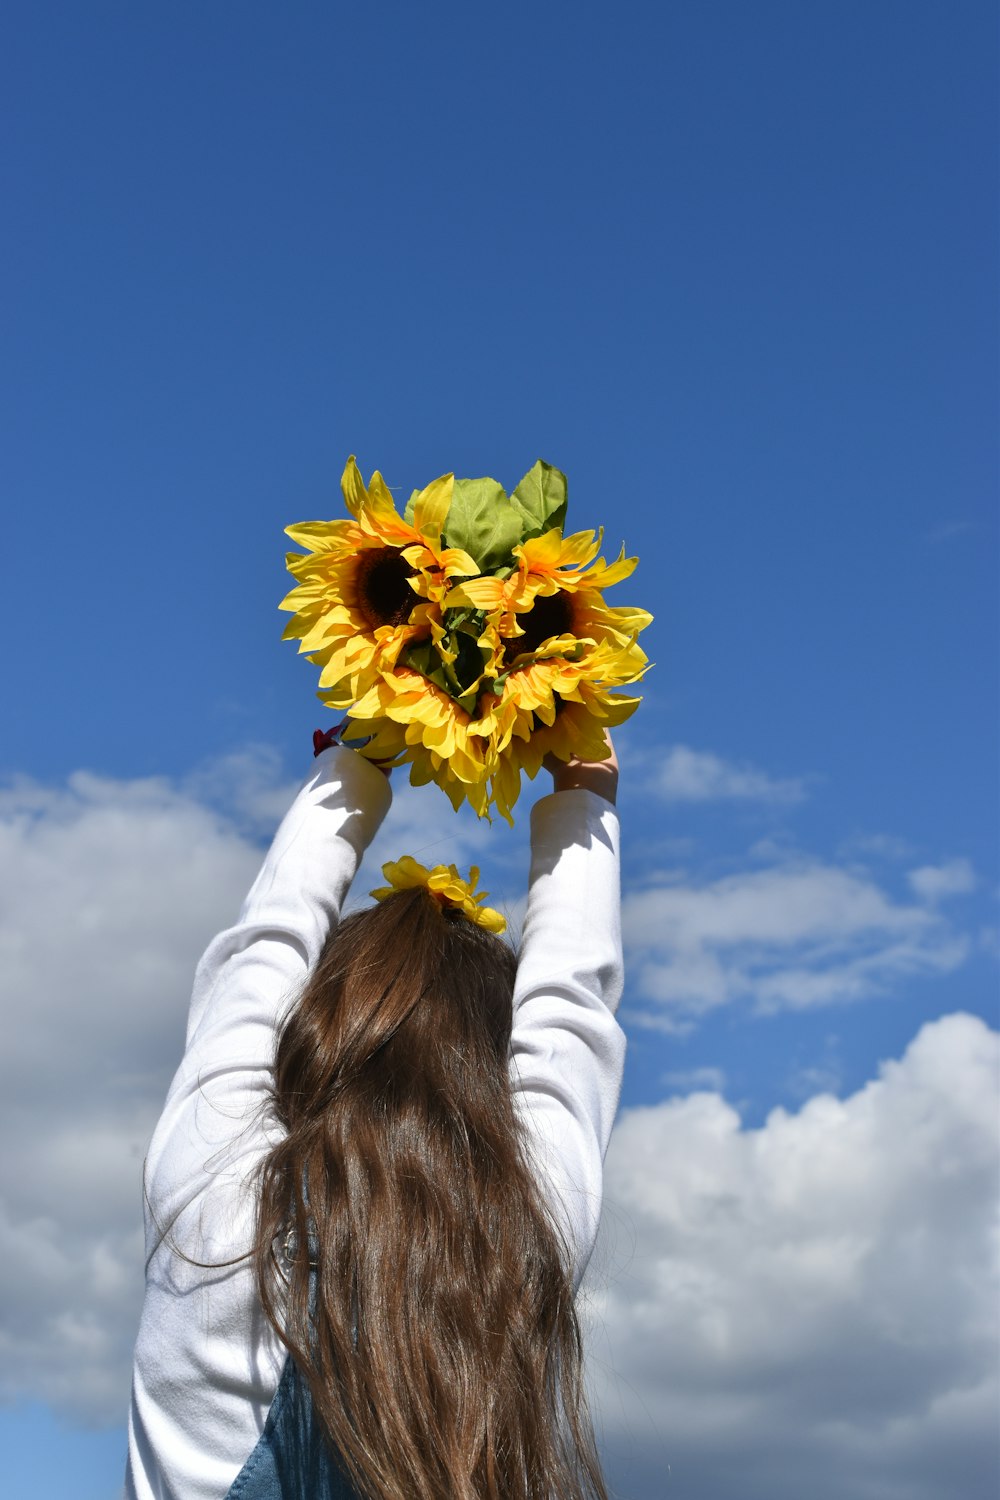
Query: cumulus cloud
x=687, y=1080
x=800, y=934
x=808, y=1308
x=775, y=1310
x=109, y=892
x=248, y=785
x=884, y=846
x=933, y=882
x=251, y=789
x=688, y=775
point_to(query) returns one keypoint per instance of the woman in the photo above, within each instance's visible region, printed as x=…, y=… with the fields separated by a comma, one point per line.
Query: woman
x=363, y=1244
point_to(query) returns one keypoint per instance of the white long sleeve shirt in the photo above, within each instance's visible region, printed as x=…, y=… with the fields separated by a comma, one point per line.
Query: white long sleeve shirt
x=207, y=1364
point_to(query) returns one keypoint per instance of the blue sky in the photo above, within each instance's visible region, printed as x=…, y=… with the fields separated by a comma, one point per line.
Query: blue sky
x=733, y=269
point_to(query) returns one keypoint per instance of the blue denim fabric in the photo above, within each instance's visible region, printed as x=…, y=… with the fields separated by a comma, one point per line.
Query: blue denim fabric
x=292, y=1459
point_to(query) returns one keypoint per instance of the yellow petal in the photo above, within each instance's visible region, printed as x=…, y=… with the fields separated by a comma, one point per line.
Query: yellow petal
x=352, y=485
x=445, y=883
x=431, y=506
x=477, y=593
x=458, y=564
x=318, y=536
x=380, y=501
x=604, y=575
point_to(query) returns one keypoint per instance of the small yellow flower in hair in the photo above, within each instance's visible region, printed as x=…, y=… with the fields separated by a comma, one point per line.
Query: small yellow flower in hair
x=446, y=884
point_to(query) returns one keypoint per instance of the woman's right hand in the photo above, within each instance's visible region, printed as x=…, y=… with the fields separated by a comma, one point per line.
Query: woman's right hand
x=600, y=776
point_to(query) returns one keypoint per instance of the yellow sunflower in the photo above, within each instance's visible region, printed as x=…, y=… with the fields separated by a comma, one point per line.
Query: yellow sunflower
x=576, y=730
x=410, y=719
x=446, y=885
x=470, y=677
x=545, y=610
x=557, y=701
x=532, y=687
x=547, y=567
x=419, y=541
x=369, y=586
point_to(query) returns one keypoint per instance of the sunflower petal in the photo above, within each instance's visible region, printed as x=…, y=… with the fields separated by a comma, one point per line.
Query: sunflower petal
x=446, y=884
x=352, y=485
x=381, y=506
x=430, y=509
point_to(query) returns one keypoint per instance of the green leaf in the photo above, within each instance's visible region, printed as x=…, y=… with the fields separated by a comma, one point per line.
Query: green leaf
x=421, y=657
x=462, y=619
x=469, y=700
x=457, y=677
x=424, y=658
x=483, y=522
x=468, y=665
x=541, y=498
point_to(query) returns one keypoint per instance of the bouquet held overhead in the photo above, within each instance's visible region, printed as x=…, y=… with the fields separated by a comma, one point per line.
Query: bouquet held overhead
x=467, y=637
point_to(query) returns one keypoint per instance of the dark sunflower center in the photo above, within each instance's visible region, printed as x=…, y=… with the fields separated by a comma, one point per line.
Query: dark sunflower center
x=551, y=614
x=384, y=593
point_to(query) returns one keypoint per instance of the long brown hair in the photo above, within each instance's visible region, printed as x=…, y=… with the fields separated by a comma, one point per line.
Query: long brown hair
x=430, y=1239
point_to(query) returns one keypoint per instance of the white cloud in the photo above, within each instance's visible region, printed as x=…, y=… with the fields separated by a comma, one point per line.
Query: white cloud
x=989, y=939
x=884, y=846
x=948, y=529
x=807, y=1298
x=248, y=785
x=688, y=775
x=808, y=1308
x=687, y=1080
x=795, y=936
x=953, y=878
x=818, y=1078
x=109, y=892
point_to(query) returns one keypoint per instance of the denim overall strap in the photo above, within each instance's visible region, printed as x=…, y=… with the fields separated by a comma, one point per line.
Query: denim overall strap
x=293, y=1459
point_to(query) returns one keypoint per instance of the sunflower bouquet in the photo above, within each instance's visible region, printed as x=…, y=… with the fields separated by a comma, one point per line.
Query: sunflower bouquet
x=468, y=636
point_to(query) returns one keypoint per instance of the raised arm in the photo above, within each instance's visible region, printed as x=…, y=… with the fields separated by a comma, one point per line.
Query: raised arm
x=250, y=973
x=568, y=1051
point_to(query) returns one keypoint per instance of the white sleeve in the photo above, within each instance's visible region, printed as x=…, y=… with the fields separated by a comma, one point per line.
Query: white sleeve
x=567, y=1049
x=248, y=975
